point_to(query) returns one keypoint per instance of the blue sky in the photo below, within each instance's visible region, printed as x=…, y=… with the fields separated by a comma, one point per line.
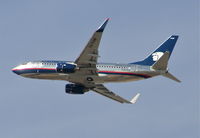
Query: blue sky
x=36, y=30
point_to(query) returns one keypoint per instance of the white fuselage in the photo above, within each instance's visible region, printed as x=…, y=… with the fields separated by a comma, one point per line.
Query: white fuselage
x=105, y=72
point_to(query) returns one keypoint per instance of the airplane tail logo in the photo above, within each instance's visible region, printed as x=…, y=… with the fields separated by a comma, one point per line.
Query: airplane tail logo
x=167, y=46
x=156, y=56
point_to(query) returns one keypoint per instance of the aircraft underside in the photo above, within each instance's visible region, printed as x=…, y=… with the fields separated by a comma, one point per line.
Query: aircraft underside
x=101, y=78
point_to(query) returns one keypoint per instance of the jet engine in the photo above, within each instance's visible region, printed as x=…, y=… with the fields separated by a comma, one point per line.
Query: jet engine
x=75, y=89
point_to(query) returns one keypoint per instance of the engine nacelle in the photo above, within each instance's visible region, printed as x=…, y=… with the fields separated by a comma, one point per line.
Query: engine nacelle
x=65, y=68
x=75, y=89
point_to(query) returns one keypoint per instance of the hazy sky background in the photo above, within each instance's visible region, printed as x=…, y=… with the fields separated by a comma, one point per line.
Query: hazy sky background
x=59, y=30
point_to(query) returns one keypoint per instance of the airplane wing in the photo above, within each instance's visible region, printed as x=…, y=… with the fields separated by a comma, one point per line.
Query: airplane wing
x=89, y=55
x=87, y=61
x=101, y=89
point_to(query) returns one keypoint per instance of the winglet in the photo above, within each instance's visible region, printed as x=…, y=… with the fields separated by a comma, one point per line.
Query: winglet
x=134, y=99
x=102, y=27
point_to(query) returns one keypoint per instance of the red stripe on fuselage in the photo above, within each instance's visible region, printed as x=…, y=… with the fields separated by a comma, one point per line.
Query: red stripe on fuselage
x=114, y=72
x=125, y=73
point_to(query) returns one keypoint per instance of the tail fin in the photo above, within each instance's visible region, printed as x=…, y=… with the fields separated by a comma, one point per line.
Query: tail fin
x=167, y=46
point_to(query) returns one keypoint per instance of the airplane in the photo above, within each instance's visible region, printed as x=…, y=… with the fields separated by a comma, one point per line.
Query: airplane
x=86, y=74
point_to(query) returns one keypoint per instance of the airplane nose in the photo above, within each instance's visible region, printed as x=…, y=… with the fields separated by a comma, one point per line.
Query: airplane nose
x=16, y=71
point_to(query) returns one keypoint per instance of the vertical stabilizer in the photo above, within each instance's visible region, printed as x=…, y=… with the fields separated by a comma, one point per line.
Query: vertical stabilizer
x=167, y=46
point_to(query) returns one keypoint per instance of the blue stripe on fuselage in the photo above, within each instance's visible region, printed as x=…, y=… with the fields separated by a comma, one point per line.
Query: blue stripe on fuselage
x=28, y=71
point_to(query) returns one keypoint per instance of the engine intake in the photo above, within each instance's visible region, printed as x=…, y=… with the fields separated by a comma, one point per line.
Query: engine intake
x=75, y=89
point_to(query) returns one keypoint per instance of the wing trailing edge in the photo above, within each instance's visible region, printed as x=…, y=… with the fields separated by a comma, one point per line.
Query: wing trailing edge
x=101, y=89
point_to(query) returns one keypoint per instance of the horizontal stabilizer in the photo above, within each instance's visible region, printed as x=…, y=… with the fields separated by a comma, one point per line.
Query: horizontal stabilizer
x=170, y=76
